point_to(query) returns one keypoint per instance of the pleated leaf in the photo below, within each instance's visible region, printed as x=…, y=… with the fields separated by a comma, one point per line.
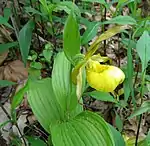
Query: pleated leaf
x=43, y=103
x=86, y=129
x=64, y=90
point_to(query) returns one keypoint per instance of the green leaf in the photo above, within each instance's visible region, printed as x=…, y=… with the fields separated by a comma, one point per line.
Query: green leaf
x=47, y=54
x=7, y=13
x=121, y=20
x=122, y=3
x=119, y=141
x=148, y=138
x=98, y=1
x=16, y=141
x=131, y=141
x=144, y=142
x=104, y=96
x=71, y=37
x=64, y=90
x=44, y=104
x=104, y=36
x=5, y=47
x=143, y=49
x=35, y=141
x=49, y=141
x=127, y=89
x=33, y=11
x=4, y=22
x=25, y=37
x=4, y=123
x=118, y=122
x=127, y=41
x=34, y=74
x=68, y=6
x=36, y=65
x=90, y=33
x=5, y=83
x=129, y=75
x=17, y=99
x=95, y=1
x=86, y=129
x=145, y=107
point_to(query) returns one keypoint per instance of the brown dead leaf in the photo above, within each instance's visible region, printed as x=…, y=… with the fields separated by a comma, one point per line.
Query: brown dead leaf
x=1, y=73
x=31, y=119
x=21, y=122
x=3, y=57
x=15, y=71
x=6, y=130
x=2, y=6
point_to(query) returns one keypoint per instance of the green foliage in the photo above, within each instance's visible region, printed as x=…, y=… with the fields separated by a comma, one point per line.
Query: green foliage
x=4, y=123
x=33, y=11
x=143, y=49
x=36, y=65
x=7, y=13
x=17, y=99
x=85, y=129
x=145, y=107
x=119, y=141
x=103, y=96
x=25, y=37
x=68, y=6
x=118, y=122
x=121, y=20
x=71, y=41
x=98, y=1
x=35, y=141
x=5, y=83
x=47, y=52
x=128, y=86
x=90, y=32
x=4, y=21
x=5, y=47
x=57, y=101
x=52, y=101
x=64, y=90
x=44, y=104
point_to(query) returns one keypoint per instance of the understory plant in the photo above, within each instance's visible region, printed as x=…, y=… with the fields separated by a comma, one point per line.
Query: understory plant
x=57, y=101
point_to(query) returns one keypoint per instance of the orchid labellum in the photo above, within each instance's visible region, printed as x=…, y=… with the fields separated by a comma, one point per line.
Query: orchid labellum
x=103, y=78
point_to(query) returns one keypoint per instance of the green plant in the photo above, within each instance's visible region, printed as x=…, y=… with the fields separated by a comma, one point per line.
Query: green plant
x=57, y=101
x=56, y=98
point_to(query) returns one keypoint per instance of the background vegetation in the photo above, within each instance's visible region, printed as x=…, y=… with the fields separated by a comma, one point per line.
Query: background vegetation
x=45, y=46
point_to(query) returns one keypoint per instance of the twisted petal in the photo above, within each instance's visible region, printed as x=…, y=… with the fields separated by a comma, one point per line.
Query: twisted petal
x=103, y=78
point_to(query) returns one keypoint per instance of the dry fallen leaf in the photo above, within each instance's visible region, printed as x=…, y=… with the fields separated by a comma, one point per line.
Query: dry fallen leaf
x=21, y=122
x=3, y=56
x=5, y=131
x=1, y=73
x=15, y=71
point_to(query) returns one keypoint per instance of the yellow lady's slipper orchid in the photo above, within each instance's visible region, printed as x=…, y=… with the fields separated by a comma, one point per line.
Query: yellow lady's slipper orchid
x=103, y=78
